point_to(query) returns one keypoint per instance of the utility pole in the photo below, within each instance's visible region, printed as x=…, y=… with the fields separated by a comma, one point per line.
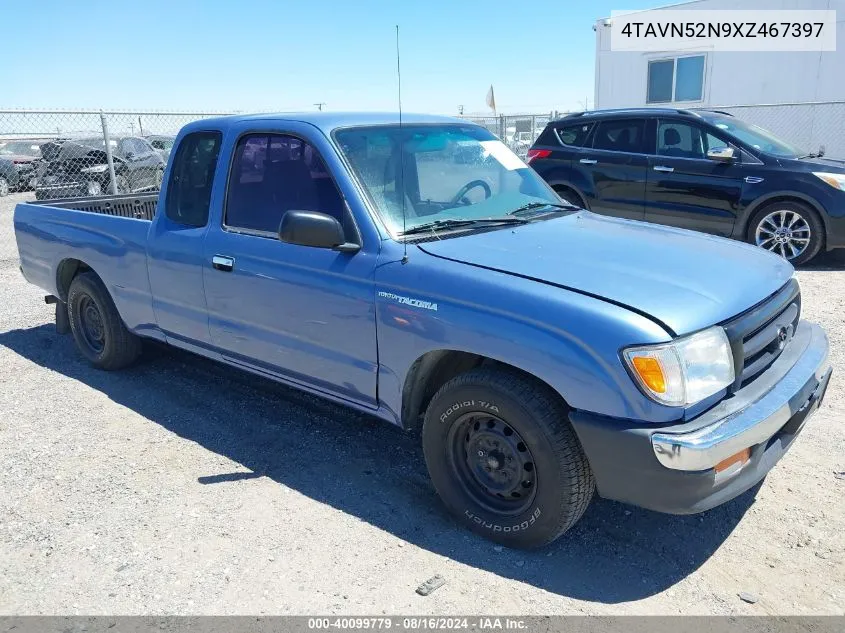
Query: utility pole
x=320, y=105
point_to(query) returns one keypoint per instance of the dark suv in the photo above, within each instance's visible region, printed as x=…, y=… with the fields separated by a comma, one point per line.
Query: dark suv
x=702, y=170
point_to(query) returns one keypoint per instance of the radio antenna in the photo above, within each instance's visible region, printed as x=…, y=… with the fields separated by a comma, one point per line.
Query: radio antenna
x=401, y=149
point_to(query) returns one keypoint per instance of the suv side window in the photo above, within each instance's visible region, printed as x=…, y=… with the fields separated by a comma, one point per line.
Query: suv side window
x=713, y=142
x=272, y=174
x=191, y=177
x=574, y=135
x=621, y=135
x=686, y=140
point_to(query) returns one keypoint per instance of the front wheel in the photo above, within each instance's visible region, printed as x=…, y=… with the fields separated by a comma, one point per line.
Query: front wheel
x=504, y=458
x=789, y=229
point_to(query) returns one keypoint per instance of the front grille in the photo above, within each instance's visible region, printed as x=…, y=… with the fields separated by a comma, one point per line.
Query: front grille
x=759, y=335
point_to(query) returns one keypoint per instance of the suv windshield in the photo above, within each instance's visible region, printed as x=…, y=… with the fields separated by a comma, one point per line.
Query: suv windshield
x=756, y=137
x=451, y=172
x=21, y=149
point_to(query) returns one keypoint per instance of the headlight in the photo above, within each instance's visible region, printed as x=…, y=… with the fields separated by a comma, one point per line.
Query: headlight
x=96, y=169
x=686, y=370
x=837, y=181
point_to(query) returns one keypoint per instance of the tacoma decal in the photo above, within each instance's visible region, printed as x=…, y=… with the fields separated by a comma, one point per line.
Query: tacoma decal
x=408, y=301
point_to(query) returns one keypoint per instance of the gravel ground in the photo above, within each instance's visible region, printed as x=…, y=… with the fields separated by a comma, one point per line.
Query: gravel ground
x=175, y=487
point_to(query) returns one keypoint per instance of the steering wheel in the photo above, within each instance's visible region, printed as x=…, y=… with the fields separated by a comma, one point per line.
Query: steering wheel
x=458, y=197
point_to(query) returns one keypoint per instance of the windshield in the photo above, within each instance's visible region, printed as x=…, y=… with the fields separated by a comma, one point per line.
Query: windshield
x=756, y=137
x=451, y=172
x=21, y=148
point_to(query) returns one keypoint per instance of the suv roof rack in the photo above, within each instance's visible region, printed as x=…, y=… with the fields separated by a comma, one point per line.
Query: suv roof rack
x=718, y=112
x=638, y=110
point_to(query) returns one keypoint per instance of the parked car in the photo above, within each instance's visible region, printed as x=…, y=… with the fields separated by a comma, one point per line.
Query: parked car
x=79, y=168
x=702, y=170
x=162, y=144
x=544, y=351
x=23, y=157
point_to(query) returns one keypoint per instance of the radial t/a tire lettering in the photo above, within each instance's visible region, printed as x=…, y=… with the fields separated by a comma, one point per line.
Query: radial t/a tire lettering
x=504, y=458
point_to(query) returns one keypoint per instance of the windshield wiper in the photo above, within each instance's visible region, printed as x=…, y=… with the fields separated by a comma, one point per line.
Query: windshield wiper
x=539, y=205
x=455, y=223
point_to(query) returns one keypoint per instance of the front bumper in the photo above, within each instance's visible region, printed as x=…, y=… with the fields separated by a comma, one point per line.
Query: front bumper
x=671, y=469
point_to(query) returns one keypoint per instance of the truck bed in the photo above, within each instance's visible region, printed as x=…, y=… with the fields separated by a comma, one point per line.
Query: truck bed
x=141, y=206
x=108, y=234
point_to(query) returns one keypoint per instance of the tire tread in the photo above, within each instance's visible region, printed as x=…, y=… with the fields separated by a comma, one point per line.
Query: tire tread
x=549, y=411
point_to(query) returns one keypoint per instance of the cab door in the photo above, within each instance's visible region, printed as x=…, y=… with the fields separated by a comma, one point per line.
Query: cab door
x=300, y=313
x=687, y=189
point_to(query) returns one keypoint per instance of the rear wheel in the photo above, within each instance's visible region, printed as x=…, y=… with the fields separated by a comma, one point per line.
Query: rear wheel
x=570, y=196
x=504, y=458
x=789, y=229
x=97, y=328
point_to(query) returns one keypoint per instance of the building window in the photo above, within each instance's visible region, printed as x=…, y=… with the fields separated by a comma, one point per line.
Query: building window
x=677, y=79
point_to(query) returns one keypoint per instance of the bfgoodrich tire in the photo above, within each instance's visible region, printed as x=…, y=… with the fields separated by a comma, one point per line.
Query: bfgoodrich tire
x=790, y=229
x=97, y=328
x=504, y=459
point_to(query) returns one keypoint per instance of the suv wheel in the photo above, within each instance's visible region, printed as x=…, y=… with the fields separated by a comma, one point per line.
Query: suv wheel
x=568, y=195
x=789, y=229
x=504, y=459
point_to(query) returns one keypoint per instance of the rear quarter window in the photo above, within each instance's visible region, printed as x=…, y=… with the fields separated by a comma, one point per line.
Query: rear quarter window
x=574, y=135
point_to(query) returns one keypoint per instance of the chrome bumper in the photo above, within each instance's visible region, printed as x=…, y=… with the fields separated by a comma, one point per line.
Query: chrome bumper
x=792, y=387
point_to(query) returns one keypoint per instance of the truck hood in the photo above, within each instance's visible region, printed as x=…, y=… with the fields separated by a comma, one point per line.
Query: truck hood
x=685, y=280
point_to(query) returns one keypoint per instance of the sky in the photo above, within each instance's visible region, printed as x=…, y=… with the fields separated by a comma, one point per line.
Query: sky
x=283, y=55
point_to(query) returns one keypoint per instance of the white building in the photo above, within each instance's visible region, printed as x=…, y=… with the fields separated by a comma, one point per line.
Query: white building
x=798, y=95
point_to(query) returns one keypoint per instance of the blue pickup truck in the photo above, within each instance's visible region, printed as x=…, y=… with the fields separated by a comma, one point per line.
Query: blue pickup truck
x=422, y=273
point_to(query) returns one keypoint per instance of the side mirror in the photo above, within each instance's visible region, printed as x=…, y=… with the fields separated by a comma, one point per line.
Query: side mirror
x=311, y=228
x=724, y=154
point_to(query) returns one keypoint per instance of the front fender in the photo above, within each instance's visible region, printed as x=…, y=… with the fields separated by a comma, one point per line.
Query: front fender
x=567, y=340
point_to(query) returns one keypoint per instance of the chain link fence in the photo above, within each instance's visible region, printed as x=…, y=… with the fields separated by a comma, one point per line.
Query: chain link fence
x=72, y=154
x=517, y=131
x=75, y=153
x=806, y=125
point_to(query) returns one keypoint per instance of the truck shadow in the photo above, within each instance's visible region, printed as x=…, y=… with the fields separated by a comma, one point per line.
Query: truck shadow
x=374, y=471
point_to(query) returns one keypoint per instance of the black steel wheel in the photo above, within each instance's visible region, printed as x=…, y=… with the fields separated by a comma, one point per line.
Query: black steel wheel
x=99, y=332
x=493, y=464
x=504, y=458
x=91, y=324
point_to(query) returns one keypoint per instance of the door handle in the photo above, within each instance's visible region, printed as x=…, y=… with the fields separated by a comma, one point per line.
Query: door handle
x=221, y=262
x=668, y=170
x=588, y=161
x=753, y=180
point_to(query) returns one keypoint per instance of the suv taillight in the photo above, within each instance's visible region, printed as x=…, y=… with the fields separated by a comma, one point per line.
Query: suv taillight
x=534, y=154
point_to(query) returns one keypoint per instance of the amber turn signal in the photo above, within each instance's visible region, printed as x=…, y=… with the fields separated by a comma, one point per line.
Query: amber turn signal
x=650, y=372
x=738, y=458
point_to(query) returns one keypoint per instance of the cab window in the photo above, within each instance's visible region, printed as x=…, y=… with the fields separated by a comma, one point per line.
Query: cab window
x=191, y=178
